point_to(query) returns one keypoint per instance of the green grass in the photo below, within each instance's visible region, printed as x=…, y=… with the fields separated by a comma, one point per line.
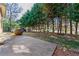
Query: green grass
x=65, y=42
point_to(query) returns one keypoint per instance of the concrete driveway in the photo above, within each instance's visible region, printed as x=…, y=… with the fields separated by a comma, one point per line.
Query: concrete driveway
x=26, y=46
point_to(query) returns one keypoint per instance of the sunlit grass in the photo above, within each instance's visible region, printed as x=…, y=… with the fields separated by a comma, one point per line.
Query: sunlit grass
x=65, y=42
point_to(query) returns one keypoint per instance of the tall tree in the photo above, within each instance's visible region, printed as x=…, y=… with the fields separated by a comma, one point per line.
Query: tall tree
x=75, y=15
x=12, y=11
x=48, y=9
x=65, y=16
x=34, y=17
x=69, y=15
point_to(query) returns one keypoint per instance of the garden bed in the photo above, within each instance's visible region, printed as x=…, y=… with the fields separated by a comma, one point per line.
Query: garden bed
x=61, y=52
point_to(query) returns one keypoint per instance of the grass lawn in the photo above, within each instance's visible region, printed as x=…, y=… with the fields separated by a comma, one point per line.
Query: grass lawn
x=65, y=42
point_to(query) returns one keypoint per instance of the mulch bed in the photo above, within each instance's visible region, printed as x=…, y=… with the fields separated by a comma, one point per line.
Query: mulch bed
x=61, y=52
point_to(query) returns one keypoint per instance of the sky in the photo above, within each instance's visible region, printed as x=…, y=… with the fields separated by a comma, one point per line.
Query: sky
x=25, y=6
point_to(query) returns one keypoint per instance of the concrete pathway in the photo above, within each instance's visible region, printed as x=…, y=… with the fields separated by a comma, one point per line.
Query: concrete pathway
x=26, y=46
x=4, y=37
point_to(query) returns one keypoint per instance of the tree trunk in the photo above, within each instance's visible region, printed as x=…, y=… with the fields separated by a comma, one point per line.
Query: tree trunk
x=36, y=28
x=40, y=27
x=65, y=25
x=60, y=26
x=10, y=19
x=47, y=26
x=53, y=26
x=76, y=27
x=43, y=28
x=71, y=27
x=10, y=24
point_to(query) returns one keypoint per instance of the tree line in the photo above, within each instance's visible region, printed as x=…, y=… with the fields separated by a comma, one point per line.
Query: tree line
x=12, y=12
x=42, y=14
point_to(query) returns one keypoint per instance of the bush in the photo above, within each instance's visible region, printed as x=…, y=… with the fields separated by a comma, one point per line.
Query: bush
x=6, y=25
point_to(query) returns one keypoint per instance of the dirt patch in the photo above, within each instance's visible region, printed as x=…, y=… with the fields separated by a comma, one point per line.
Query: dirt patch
x=62, y=52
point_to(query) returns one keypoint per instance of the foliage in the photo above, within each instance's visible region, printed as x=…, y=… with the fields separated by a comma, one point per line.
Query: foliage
x=45, y=13
x=40, y=12
x=12, y=11
x=33, y=17
x=6, y=25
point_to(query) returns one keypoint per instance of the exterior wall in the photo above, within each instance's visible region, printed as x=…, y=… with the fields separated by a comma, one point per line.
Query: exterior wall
x=2, y=13
x=0, y=21
x=3, y=7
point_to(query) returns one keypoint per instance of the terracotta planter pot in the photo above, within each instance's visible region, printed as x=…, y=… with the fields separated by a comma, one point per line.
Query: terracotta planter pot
x=18, y=32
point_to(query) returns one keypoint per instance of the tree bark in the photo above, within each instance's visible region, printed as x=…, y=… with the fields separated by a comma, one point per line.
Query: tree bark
x=60, y=26
x=40, y=27
x=10, y=18
x=65, y=25
x=37, y=28
x=47, y=26
x=53, y=26
x=76, y=28
x=71, y=27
